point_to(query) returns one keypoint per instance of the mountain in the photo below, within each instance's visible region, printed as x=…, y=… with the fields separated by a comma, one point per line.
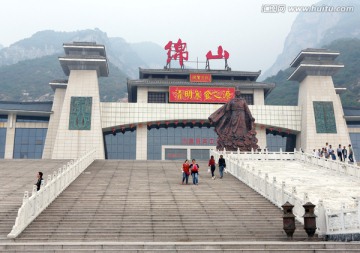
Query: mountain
x=150, y=53
x=28, y=80
x=126, y=56
x=27, y=66
x=315, y=29
x=286, y=92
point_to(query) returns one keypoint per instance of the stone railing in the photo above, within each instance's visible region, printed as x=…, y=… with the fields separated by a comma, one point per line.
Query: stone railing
x=33, y=205
x=334, y=165
x=262, y=156
x=341, y=221
x=345, y=220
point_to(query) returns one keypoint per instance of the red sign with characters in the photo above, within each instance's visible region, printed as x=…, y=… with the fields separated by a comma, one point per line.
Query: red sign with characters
x=176, y=51
x=200, y=78
x=198, y=141
x=221, y=54
x=194, y=94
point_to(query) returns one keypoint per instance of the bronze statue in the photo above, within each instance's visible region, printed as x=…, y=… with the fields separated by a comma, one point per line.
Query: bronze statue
x=234, y=125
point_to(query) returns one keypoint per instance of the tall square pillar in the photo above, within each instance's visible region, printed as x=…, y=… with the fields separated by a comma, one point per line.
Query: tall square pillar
x=322, y=117
x=79, y=122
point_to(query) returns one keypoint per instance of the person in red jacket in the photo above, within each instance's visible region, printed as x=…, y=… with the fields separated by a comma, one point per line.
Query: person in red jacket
x=194, y=167
x=212, y=166
x=186, y=171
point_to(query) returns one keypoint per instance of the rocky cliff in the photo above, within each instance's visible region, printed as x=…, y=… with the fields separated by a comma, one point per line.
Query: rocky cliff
x=316, y=29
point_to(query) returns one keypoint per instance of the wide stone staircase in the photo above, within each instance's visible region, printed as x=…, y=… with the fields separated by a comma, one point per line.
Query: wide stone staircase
x=16, y=177
x=141, y=206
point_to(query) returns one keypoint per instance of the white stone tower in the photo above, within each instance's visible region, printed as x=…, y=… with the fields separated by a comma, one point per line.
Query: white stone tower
x=77, y=117
x=322, y=117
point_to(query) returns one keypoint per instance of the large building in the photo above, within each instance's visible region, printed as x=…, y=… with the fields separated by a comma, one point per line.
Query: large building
x=166, y=116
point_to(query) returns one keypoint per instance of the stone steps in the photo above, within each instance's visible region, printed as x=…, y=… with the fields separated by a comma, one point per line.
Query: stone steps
x=16, y=177
x=125, y=201
x=299, y=247
x=140, y=206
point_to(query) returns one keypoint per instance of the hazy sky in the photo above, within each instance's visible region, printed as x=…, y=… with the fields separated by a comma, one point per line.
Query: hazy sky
x=253, y=38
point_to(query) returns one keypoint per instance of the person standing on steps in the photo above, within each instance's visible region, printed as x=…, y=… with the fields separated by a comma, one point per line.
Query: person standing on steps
x=222, y=165
x=212, y=166
x=39, y=181
x=344, y=153
x=194, y=167
x=351, y=153
x=339, y=153
x=186, y=171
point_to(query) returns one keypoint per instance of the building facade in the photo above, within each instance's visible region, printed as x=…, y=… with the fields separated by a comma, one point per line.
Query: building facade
x=166, y=116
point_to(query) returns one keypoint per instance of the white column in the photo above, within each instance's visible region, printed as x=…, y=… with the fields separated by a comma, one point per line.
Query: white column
x=259, y=98
x=261, y=136
x=53, y=123
x=142, y=95
x=10, y=136
x=141, y=142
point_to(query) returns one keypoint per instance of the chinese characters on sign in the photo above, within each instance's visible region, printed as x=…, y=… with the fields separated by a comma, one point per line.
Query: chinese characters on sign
x=324, y=117
x=80, y=113
x=176, y=51
x=221, y=54
x=200, y=78
x=198, y=141
x=194, y=94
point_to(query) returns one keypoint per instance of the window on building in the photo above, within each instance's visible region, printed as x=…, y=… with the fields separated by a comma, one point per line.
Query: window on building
x=21, y=118
x=355, y=143
x=121, y=146
x=29, y=143
x=353, y=124
x=157, y=97
x=179, y=136
x=175, y=154
x=200, y=154
x=275, y=142
x=249, y=98
x=3, y=118
x=2, y=142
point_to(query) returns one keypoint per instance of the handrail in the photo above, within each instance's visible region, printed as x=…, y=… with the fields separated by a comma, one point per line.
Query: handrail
x=56, y=184
x=334, y=165
x=345, y=220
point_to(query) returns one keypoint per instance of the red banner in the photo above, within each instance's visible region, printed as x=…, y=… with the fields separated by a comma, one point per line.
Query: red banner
x=200, y=78
x=195, y=94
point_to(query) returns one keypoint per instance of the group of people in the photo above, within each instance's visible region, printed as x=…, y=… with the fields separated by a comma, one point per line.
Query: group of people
x=329, y=152
x=193, y=169
x=212, y=165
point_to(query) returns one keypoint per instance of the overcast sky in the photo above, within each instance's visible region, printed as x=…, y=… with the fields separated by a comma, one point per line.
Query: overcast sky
x=253, y=38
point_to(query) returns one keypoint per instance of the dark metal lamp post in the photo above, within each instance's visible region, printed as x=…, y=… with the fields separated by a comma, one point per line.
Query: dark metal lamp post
x=309, y=219
x=288, y=220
